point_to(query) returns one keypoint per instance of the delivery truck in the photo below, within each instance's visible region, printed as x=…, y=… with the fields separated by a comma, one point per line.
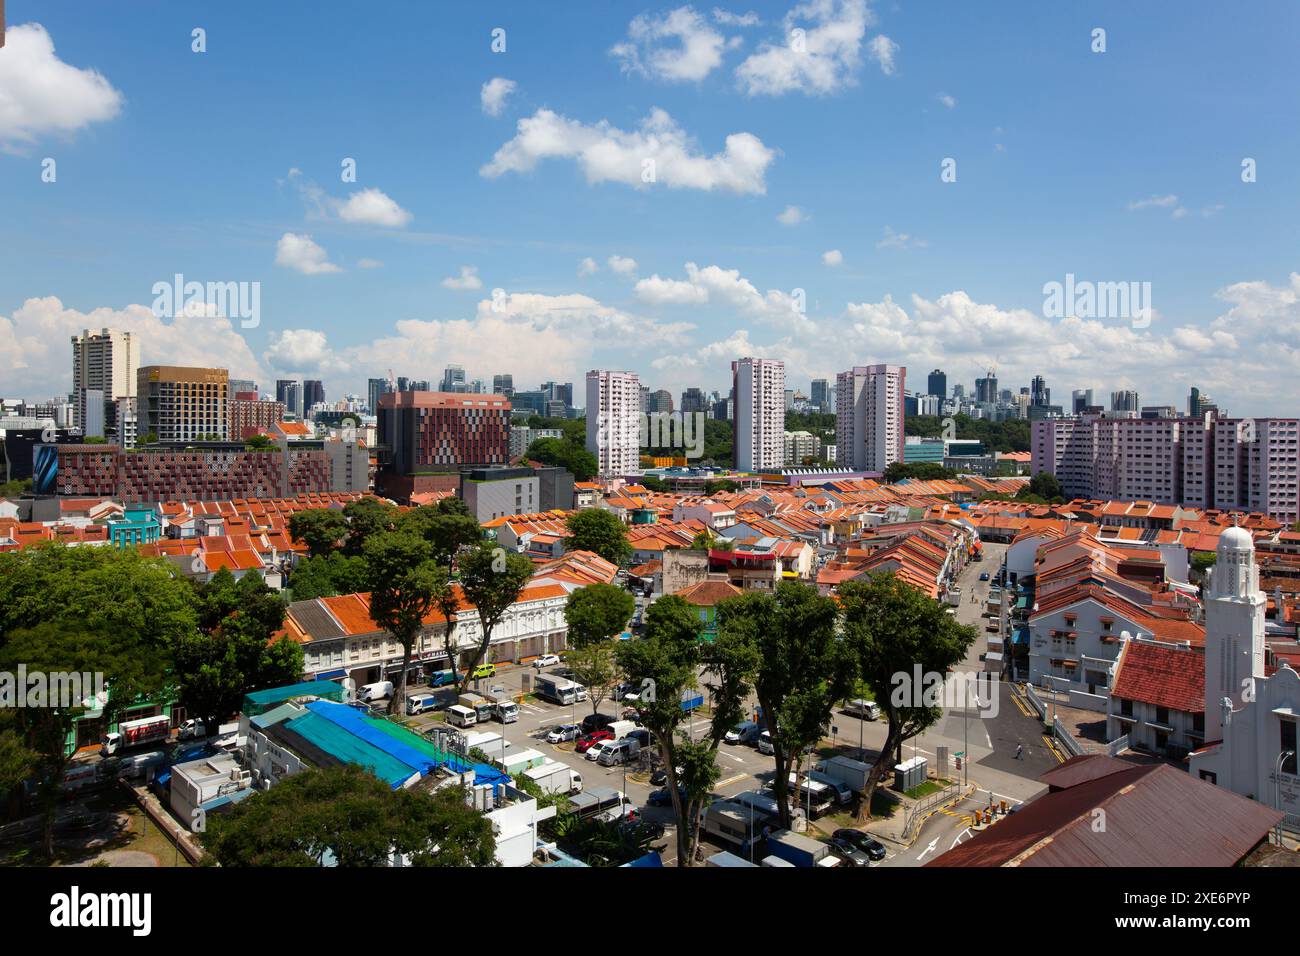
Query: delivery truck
x=517, y=761
x=852, y=773
x=492, y=744
x=621, y=728
x=504, y=709
x=420, y=703
x=799, y=850
x=131, y=734
x=555, y=777
x=481, y=705
x=559, y=690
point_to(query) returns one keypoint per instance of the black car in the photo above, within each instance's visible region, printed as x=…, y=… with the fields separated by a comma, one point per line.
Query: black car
x=643, y=829
x=872, y=848
x=664, y=797
x=848, y=852
x=659, y=778
x=596, y=722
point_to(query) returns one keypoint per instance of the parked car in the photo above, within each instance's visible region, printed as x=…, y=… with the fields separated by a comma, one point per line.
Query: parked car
x=546, y=660
x=660, y=777
x=862, y=841
x=644, y=829
x=629, y=713
x=663, y=797
x=596, y=722
x=848, y=854
x=640, y=735
x=483, y=670
x=562, y=733
x=743, y=733
x=595, y=737
x=984, y=576
x=598, y=748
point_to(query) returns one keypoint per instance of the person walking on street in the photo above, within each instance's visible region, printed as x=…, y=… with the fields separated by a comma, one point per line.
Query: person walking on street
x=1020, y=750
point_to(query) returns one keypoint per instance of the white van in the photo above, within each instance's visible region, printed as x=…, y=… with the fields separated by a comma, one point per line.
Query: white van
x=138, y=765
x=376, y=691
x=745, y=733
x=619, y=752
x=461, y=716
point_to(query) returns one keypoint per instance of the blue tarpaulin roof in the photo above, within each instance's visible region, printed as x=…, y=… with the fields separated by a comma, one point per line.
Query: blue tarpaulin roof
x=355, y=723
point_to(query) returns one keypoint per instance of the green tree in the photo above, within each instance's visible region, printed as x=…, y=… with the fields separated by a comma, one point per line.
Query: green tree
x=663, y=663
x=447, y=525
x=354, y=817
x=892, y=629
x=321, y=529
x=563, y=453
x=367, y=517
x=491, y=579
x=715, y=485
x=803, y=669
x=595, y=614
x=1046, y=485
x=702, y=541
x=920, y=470
x=130, y=672
x=599, y=531
x=232, y=653
x=327, y=576
x=259, y=443
x=405, y=584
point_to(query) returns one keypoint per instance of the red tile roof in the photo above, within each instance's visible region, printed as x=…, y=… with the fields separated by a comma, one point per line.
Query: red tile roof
x=1162, y=676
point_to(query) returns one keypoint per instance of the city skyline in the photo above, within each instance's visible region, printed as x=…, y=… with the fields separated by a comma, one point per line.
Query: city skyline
x=752, y=213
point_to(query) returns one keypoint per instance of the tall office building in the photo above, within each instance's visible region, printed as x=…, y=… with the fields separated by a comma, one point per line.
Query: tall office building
x=614, y=421
x=1198, y=403
x=242, y=385
x=106, y=363
x=453, y=379
x=1082, y=398
x=375, y=387
x=937, y=383
x=1124, y=401
x=288, y=392
x=503, y=385
x=820, y=394
x=181, y=404
x=759, y=389
x=693, y=400
x=869, y=417
x=1039, y=393
x=313, y=392
x=661, y=401
x=986, y=389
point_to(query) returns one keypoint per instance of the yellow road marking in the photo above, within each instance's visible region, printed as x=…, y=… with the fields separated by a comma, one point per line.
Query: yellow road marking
x=1051, y=745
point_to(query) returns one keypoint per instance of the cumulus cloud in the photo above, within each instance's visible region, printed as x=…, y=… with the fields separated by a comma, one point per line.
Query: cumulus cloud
x=492, y=97
x=367, y=207
x=792, y=216
x=676, y=46
x=726, y=288
x=40, y=94
x=729, y=19
x=304, y=352
x=832, y=257
x=372, y=207
x=588, y=267
x=34, y=359
x=622, y=265
x=468, y=279
x=819, y=52
x=298, y=251
x=947, y=100
x=658, y=151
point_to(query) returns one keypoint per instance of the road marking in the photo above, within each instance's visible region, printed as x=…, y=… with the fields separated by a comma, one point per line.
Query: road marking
x=730, y=756
x=960, y=836
x=730, y=780
x=1055, y=751
x=928, y=849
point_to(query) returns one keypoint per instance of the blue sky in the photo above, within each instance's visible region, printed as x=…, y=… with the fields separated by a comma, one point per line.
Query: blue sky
x=1116, y=167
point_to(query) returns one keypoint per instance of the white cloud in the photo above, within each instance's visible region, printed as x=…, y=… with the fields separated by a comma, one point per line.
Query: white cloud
x=298, y=251
x=899, y=240
x=823, y=58
x=622, y=265
x=369, y=264
x=792, y=216
x=832, y=257
x=1154, y=202
x=305, y=352
x=883, y=50
x=727, y=288
x=693, y=51
x=947, y=100
x=588, y=267
x=608, y=154
x=729, y=19
x=41, y=94
x=468, y=279
x=34, y=342
x=372, y=207
x=492, y=97
x=660, y=291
